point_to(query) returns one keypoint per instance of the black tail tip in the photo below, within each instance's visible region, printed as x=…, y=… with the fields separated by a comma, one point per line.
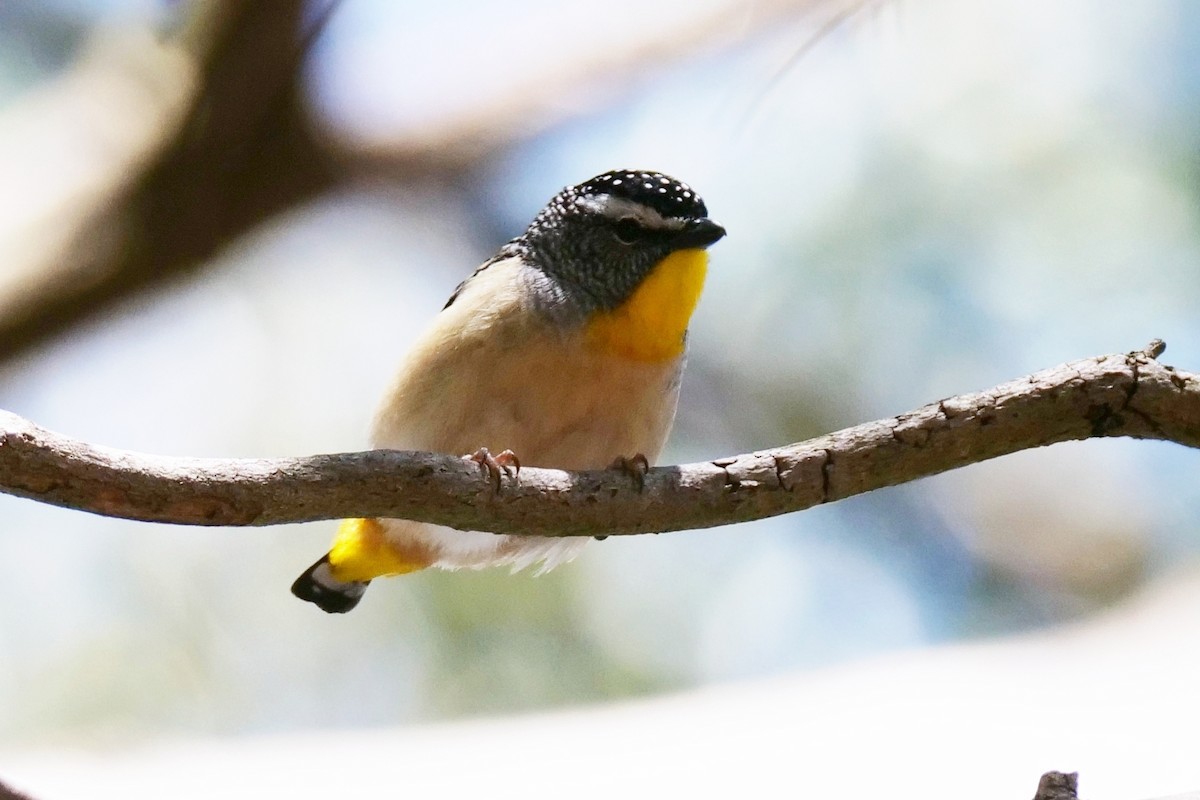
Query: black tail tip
x=318, y=586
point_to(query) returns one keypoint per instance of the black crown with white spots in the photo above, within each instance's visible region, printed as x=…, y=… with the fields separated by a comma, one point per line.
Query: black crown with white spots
x=666, y=195
x=592, y=256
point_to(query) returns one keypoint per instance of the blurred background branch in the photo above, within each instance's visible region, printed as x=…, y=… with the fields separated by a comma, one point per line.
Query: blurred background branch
x=218, y=149
x=220, y=140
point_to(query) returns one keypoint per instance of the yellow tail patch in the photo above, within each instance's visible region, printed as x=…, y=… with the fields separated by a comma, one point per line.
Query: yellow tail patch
x=651, y=324
x=361, y=551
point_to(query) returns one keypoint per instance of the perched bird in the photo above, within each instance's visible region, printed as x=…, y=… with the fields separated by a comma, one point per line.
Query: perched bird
x=565, y=348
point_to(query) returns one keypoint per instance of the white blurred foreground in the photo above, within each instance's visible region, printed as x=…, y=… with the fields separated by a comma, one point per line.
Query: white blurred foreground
x=1115, y=698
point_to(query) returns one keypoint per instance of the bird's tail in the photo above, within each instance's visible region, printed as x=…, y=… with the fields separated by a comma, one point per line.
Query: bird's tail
x=361, y=550
x=318, y=585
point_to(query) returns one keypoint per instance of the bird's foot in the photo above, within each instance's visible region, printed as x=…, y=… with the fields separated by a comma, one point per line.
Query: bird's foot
x=493, y=465
x=635, y=467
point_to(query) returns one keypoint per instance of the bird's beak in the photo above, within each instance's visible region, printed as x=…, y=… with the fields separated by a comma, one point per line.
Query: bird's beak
x=698, y=233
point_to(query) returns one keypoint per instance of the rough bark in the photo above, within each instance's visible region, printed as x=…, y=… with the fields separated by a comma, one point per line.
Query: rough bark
x=1115, y=395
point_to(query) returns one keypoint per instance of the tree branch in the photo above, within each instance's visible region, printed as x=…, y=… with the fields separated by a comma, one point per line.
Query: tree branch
x=1115, y=395
x=215, y=153
x=224, y=153
x=1058, y=786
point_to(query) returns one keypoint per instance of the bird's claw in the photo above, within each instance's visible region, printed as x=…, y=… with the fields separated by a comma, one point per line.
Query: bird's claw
x=635, y=467
x=492, y=465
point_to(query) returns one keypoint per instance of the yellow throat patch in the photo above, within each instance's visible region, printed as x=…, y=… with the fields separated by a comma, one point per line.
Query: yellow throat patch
x=650, y=325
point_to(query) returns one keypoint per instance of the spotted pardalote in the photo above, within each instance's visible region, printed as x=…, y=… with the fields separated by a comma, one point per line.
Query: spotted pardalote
x=566, y=348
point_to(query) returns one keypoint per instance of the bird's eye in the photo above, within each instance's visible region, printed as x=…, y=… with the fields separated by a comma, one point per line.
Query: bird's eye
x=628, y=230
